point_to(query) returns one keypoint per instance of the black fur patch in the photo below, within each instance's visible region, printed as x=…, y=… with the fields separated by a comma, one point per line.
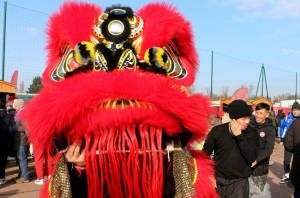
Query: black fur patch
x=158, y=70
x=128, y=10
x=120, y=17
x=116, y=38
x=83, y=52
x=112, y=57
x=84, y=68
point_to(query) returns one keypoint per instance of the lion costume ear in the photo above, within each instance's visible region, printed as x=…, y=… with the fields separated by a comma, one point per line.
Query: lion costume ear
x=66, y=28
x=166, y=28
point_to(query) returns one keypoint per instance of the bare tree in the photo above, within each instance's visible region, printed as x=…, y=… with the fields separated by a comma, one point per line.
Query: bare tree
x=207, y=90
x=250, y=90
x=225, y=91
x=193, y=89
x=244, y=85
x=22, y=87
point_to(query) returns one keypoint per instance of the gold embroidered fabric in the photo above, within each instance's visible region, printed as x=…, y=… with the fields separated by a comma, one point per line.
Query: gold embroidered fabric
x=184, y=172
x=60, y=185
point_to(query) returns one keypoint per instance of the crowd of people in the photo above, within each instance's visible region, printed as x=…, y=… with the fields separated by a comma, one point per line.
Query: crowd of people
x=243, y=156
x=241, y=148
x=14, y=144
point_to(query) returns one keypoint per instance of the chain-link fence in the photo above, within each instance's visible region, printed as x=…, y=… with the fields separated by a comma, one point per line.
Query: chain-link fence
x=229, y=73
x=26, y=40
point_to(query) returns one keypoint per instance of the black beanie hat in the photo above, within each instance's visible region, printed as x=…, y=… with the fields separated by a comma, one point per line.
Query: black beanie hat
x=296, y=105
x=238, y=109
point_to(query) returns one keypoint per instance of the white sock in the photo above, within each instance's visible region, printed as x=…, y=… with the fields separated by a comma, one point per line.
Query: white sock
x=287, y=175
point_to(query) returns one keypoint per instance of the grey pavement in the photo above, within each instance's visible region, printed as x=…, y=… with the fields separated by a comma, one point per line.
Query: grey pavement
x=31, y=190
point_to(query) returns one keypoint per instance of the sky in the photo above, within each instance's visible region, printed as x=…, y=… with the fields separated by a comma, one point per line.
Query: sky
x=244, y=34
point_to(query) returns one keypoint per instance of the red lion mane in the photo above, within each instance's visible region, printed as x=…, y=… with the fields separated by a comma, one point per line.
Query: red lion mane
x=121, y=110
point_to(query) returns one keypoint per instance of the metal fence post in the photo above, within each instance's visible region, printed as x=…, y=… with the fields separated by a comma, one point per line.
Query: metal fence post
x=296, y=85
x=4, y=37
x=212, y=73
x=258, y=85
x=266, y=83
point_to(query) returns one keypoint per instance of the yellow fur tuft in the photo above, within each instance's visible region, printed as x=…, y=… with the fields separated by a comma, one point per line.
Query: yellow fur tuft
x=146, y=57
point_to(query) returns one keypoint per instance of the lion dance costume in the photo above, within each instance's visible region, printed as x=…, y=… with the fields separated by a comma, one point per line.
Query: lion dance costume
x=116, y=81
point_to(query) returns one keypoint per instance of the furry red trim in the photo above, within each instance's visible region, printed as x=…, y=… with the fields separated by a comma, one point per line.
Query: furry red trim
x=162, y=24
x=65, y=107
x=204, y=185
x=71, y=25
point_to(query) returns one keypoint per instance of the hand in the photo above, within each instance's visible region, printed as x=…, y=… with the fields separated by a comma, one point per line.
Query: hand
x=235, y=127
x=254, y=163
x=74, y=156
x=212, y=178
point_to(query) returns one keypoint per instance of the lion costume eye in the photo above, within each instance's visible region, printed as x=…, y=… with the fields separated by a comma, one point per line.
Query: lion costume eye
x=168, y=59
x=67, y=64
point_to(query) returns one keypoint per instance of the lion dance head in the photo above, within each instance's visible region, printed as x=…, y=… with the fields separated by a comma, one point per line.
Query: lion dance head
x=117, y=81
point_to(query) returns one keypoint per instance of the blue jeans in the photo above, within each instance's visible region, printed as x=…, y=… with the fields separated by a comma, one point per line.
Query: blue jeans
x=22, y=158
x=278, y=132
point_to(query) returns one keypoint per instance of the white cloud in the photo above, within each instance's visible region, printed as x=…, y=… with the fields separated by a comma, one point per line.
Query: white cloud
x=267, y=8
x=289, y=51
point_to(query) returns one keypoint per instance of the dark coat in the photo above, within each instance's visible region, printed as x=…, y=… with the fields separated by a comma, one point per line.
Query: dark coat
x=4, y=125
x=233, y=155
x=292, y=144
x=21, y=137
x=266, y=132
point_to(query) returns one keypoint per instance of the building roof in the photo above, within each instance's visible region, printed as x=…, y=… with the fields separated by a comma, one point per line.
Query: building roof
x=6, y=87
x=260, y=100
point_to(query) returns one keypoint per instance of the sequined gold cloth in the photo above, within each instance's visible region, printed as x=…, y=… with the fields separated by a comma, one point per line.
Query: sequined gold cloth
x=260, y=182
x=184, y=172
x=60, y=186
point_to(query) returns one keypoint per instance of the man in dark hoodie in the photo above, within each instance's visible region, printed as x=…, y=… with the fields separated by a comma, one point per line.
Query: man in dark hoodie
x=236, y=147
x=4, y=133
x=284, y=128
x=292, y=144
x=260, y=168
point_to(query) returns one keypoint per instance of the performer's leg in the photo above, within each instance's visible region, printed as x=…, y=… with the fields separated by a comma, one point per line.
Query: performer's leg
x=48, y=161
x=240, y=188
x=39, y=162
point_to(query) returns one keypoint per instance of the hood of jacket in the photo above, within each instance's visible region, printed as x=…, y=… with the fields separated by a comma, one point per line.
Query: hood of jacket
x=267, y=123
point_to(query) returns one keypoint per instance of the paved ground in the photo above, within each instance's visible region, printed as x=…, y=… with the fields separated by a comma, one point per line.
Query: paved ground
x=28, y=190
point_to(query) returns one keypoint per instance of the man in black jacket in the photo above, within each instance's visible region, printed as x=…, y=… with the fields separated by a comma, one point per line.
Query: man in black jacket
x=4, y=133
x=267, y=133
x=236, y=147
x=292, y=144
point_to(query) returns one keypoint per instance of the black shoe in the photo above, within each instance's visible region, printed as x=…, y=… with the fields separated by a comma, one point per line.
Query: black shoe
x=284, y=180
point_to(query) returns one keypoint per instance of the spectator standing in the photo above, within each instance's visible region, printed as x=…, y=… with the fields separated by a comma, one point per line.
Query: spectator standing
x=4, y=136
x=236, y=147
x=284, y=128
x=282, y=117
x=292, y=144
x=40, y=156
x=21, y=144
x=278, y=118
x=11, y=145
x=260, y=168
